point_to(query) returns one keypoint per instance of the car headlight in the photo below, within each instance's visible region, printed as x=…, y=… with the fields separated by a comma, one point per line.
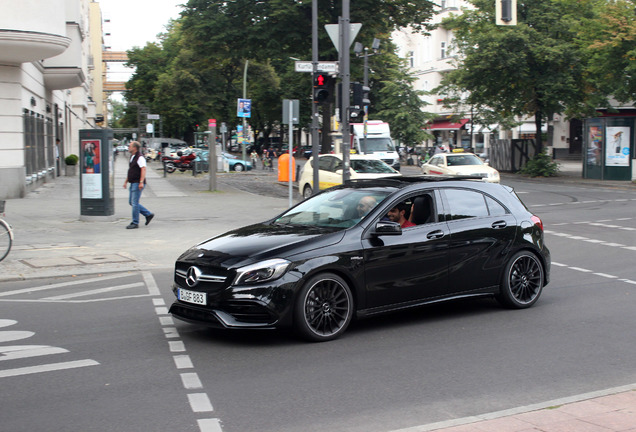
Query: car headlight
x=261, y=272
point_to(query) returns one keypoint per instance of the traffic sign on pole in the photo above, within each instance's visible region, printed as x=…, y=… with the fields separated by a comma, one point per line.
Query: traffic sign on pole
x=323, y=66
x=333, y=31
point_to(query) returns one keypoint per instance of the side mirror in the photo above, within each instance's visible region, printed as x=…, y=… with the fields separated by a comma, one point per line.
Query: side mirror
x=387, y=228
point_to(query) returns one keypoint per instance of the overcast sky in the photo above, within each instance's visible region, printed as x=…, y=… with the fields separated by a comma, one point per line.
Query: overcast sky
x=136, y=22
x=133, y=23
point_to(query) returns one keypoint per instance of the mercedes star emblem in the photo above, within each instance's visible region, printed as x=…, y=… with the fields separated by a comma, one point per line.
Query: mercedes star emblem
x=192, y=276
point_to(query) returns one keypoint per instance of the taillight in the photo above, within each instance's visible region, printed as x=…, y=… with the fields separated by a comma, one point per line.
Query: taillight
x=537, y=221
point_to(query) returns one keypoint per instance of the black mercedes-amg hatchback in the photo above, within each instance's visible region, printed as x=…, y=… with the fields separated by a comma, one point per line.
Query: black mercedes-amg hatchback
x=343, y=254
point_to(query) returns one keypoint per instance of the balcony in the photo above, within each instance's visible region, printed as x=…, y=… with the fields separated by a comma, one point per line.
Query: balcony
x=67, y=70
x=32, y=33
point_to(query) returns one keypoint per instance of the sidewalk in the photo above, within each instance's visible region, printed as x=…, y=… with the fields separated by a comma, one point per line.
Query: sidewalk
x=51, y=241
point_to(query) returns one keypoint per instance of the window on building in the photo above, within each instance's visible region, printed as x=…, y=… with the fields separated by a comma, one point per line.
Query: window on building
x=411, y=58
x=443, y=50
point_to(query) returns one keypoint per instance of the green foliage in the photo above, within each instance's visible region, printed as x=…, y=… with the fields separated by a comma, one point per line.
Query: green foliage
x=71, y=159
x=196, y=72
x=541, y=165
x=531, y=69
x=607, y=37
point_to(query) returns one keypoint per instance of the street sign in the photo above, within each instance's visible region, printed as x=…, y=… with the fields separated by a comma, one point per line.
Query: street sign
x=294, y=111
x=333, y=31
x=323, y=66
x=154, y=116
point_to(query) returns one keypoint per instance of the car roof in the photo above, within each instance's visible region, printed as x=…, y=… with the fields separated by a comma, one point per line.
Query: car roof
x=352, y=156
x=403, y=181
x=457, y=154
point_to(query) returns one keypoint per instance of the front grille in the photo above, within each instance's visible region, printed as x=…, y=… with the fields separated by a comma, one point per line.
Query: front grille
x=211, y=280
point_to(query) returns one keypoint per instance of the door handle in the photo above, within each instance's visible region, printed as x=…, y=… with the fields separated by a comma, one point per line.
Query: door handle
x=435, y=234
x=499, y=224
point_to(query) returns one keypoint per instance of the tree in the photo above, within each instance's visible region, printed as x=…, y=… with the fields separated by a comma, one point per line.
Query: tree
x=533, y=68
x=399, y=103
x=201, y=73
x=608, y=39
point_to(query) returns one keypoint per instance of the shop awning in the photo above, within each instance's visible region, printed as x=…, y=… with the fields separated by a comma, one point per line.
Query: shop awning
x=447, y=125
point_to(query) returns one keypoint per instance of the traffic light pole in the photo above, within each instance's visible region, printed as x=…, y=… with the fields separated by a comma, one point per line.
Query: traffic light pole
x=315, y=145
x=344, y=26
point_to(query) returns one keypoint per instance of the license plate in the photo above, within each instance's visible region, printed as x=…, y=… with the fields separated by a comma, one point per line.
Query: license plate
x=192, y=297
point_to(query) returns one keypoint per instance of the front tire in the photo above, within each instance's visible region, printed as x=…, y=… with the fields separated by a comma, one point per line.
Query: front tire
x=324, y=308
x=170, y=168
x=522, y=281
x=238, y=167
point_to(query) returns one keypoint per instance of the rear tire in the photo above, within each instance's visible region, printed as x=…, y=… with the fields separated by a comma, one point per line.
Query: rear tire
x=307, y=192
x=522, y=281
x=324, y=308
x=170, y=168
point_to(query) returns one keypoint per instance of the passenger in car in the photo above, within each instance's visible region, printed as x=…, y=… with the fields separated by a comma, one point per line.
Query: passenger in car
x=365, y=205
x=400, y=214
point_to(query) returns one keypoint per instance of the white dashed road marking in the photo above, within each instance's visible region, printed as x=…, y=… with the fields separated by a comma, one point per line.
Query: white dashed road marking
x=199, y=402
x=604, y=275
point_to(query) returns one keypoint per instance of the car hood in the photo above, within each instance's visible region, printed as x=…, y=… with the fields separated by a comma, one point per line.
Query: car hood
x=261, y=241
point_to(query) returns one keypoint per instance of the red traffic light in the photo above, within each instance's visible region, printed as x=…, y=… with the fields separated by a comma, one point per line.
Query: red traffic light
x=320, y=80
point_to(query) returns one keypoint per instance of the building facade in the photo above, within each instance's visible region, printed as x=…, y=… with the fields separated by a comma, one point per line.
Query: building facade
x=46, y=93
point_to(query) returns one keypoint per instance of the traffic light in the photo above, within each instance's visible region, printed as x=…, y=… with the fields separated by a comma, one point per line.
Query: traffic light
x=506, y=12
x=359, y=100
x=322, y=84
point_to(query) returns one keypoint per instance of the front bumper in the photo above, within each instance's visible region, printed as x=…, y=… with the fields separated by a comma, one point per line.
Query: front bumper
x=256, y=306
x=218, y=318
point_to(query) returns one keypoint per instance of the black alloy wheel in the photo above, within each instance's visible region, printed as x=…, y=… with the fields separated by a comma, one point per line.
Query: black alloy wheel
x=523, y=281
x=324, y=308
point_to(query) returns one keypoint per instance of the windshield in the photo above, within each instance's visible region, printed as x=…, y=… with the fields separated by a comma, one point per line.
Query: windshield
x=371, y=166
x=455, y=160
x=376, y=144
x=339, y=208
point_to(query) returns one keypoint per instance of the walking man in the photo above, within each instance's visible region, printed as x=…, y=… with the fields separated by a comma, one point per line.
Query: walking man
x=137, y=179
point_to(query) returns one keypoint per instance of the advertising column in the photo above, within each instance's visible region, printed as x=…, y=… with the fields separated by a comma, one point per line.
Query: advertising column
x=96, y=173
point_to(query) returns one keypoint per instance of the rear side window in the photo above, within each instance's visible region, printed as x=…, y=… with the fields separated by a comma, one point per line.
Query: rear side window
x=466, y=204
x=494, y=208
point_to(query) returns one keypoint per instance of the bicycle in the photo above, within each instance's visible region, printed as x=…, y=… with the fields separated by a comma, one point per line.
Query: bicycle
x=6, y=235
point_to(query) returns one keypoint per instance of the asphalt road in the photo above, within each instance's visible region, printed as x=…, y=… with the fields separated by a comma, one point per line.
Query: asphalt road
x=101, y=354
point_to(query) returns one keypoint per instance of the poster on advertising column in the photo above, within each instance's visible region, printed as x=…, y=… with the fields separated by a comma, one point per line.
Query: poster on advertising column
x=617, y=146
x=91, y=172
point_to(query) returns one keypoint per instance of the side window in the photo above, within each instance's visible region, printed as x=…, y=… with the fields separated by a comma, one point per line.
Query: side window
x=466, y=204
x=495, y=208
x=325, y=163
x=435, y=160
x=423, y=209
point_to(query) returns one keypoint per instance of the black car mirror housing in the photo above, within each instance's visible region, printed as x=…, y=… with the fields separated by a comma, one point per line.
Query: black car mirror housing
x=387, y=228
